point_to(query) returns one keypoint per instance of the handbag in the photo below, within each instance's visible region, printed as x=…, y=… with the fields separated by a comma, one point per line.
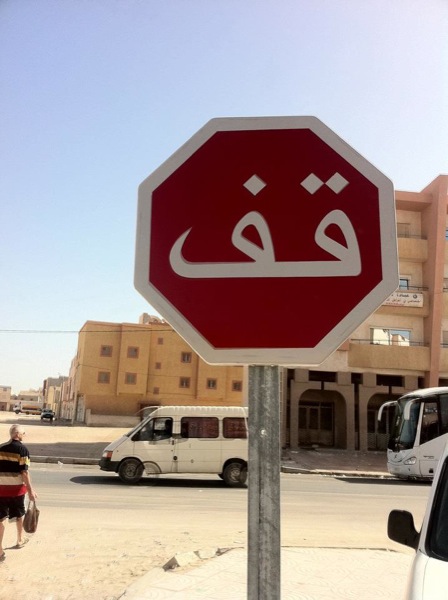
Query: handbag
x=31, y=517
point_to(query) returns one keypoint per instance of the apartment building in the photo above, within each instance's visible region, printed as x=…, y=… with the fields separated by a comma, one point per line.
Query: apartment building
x=122, y=368
x=402, y=346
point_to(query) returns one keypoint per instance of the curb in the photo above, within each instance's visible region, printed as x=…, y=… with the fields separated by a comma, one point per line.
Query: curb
x=337, y=472
x=66, y=460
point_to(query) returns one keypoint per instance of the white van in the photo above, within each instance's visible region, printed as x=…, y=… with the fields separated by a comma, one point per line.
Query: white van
x=429, y=573
x=183, y=439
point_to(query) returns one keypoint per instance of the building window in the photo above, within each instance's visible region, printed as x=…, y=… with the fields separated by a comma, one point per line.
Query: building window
x=212, y=384
x=403, y=230
x=103, y=377
x=130, y=378
x=185, y=357
x=184, y=382
x=390, y=337
x=133, y=352
x=156, y=390
x=106, y=351
x=404, y=283
x=237, y=386
x=160, y=341
x=158, y=365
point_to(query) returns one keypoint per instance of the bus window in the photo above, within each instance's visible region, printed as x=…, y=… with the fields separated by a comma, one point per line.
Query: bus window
x=430, y=422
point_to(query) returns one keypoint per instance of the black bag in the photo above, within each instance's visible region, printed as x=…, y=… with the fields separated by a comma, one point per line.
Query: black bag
x=31, y=517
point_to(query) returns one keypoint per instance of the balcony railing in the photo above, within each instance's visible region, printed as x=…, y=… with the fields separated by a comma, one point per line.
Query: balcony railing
x=387, y=343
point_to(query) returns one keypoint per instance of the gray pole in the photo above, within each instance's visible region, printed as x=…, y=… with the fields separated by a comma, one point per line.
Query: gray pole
x=263, y=556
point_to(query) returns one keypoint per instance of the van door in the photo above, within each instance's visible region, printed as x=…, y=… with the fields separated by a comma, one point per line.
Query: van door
x=154, y=443
x=198, y=449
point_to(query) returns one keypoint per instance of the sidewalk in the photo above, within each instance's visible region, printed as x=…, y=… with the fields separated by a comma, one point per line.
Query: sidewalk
x=306, y=574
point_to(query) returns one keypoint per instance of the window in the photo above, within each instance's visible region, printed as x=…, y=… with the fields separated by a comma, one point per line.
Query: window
x=163, y=428
x=390, y=337
x=237, y=386
x=103, y=377
x=404, y=283
x=185, y=357
x=160, y=341
x=199, y=427
x=156, y=390
x=234, y=427
x=130, y=378
x=106, y=351
x=212, y=384
x=184, y=382
x=133, y=352
x=403, y=229
x=158, y=365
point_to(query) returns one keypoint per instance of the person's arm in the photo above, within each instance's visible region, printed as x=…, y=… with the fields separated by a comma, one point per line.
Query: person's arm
x=27, y=481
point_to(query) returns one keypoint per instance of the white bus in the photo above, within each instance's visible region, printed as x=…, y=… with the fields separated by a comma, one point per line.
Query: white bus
x=183, y=439
x=419, y=433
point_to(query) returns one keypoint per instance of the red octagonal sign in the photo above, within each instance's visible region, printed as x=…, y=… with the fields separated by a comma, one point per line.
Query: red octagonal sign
x=266, y=240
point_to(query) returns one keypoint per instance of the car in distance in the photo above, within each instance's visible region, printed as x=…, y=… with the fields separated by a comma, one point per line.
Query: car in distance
x=429, y=573
x=47, y=415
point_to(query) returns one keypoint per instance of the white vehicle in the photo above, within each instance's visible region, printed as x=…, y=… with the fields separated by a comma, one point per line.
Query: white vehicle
x=419, y=433
x=183, y=439
x=28, y=407
x=429, y=573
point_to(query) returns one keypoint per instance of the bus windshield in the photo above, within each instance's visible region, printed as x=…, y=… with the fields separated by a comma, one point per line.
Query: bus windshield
x=404, y=430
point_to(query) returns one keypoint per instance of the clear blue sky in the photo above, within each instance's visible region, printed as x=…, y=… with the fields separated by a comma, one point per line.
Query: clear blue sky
x=96, y=94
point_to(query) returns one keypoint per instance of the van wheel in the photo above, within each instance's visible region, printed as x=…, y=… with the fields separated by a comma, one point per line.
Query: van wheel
x=130, y=470
x=235, y=474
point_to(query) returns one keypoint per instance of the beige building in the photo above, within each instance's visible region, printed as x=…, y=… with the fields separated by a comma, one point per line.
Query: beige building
x=400, y=347
x=122, y=368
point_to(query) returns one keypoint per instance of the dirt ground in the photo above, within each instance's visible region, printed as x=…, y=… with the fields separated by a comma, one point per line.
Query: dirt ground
x=74, y=555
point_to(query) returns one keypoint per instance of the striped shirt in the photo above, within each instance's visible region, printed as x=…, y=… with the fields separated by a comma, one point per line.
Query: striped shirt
x=14, y=458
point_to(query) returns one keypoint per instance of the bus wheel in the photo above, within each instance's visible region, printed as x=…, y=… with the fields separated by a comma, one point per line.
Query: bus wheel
x=235, y=474
x=130, y=470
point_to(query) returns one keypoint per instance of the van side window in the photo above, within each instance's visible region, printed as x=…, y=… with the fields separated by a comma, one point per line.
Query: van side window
x=199, y=427
x=163, y=428
x=234, y=427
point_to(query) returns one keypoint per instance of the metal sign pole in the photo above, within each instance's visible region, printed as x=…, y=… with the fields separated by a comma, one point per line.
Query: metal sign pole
x=263, y=556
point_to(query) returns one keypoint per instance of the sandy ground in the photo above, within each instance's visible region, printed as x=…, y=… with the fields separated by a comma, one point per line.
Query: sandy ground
x=89, y=555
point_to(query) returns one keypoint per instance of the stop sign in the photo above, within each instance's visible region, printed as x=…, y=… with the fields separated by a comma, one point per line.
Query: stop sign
x=266, y=240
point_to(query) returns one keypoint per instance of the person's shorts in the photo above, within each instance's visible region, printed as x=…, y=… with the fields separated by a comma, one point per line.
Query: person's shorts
x=12, y=508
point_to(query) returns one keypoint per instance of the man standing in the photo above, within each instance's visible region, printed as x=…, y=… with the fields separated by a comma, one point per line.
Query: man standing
x=15, y=482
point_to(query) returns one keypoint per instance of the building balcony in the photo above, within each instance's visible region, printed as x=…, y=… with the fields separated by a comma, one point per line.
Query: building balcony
x=364, y=355
x=412, y=249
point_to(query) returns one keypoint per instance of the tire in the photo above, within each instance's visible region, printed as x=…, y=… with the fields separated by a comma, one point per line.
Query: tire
x=235, y=474
x=130, y=470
